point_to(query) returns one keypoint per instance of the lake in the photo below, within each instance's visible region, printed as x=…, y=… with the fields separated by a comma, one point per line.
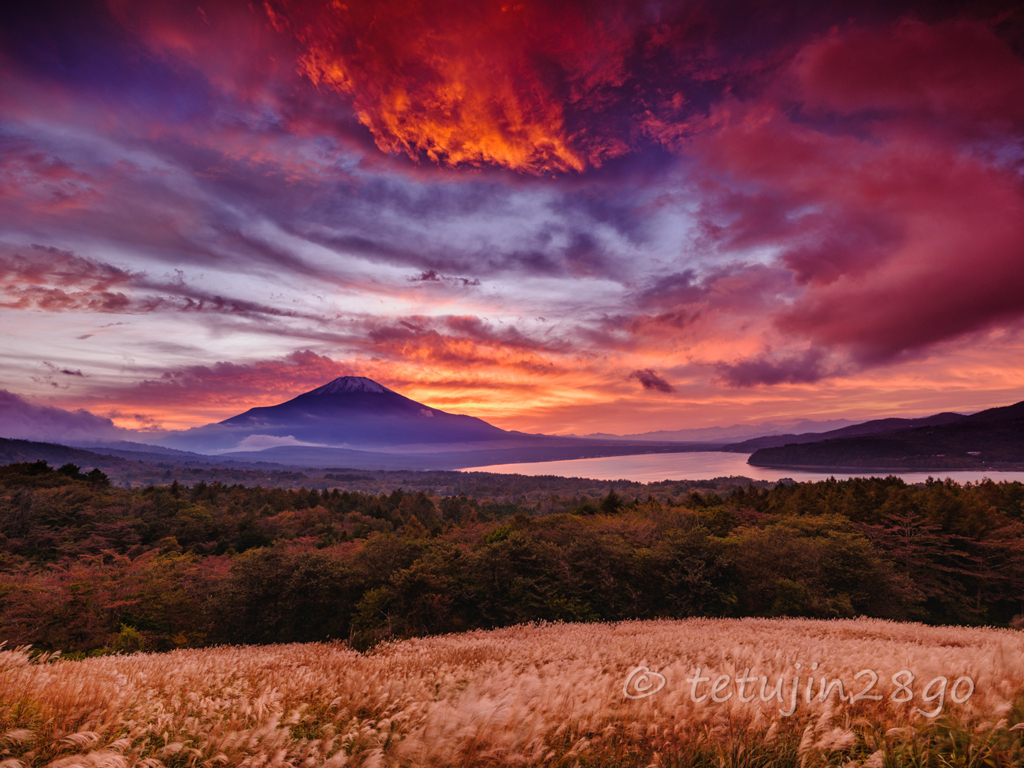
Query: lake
x=706, y=465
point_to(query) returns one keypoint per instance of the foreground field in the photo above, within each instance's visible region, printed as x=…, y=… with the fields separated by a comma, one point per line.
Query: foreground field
x=560, y=694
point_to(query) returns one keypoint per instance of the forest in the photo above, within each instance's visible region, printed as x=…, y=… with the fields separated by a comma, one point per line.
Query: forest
x=90, y=568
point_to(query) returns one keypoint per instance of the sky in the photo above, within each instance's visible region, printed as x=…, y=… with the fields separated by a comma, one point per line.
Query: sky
x=561, y=217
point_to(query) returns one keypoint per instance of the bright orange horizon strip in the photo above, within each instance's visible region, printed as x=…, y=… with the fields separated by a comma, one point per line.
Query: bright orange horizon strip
x=581, y=398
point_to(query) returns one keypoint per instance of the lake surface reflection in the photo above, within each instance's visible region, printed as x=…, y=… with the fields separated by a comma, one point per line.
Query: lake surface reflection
x=706, y=465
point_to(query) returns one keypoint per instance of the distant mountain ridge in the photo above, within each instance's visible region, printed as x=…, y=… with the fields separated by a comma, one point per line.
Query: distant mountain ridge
x=990, y=439
x=726, y=434
x=875, y=426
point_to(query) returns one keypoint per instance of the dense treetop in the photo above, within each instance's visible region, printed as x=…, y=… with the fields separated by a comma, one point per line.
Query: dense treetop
x=86, y=566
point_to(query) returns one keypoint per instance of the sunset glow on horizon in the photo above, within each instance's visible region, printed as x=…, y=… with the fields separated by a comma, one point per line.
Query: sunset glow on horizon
x=569, y=217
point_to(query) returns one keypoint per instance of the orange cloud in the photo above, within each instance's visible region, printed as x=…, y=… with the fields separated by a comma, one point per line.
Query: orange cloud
x=471, y=83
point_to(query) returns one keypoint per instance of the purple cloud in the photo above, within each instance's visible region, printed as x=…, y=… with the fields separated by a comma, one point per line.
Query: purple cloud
x=650, y=380
x=22, y=420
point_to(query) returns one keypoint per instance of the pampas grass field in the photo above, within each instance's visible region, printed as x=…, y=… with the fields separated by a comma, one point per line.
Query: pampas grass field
x=551, y=695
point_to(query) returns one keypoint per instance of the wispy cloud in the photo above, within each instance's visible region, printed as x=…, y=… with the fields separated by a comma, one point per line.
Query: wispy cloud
x=479, y=200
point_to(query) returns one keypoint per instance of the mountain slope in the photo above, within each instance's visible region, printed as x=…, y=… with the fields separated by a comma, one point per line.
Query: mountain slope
x=991, y=439
x=356, y=422
x=359, y=411
x=877, y=426
x=349, y=412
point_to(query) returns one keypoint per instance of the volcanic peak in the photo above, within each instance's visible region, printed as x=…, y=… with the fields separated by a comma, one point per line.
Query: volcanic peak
x=349, y=384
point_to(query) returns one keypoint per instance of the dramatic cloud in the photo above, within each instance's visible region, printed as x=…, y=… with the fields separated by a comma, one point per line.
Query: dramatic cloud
x=902, y=237
x=501, y=208
x=473, y=83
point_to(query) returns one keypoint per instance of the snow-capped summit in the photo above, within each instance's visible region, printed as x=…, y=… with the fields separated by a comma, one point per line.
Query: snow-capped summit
x=349, y=384
x=351, y=411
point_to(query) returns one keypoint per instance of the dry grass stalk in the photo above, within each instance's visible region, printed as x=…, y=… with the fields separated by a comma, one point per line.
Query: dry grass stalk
x=531, y=695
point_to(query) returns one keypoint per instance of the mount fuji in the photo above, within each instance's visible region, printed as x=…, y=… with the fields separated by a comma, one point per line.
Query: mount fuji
x=356, y=422
x=349, y=412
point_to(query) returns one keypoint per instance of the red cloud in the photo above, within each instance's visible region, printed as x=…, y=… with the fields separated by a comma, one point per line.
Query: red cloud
x=454, y=343
x=472, y=83
x=957, y=268
x=239, y=382
x=405, y=354
x=53, y=266
x=199, y=394
x=33, y=181
x=901, y=238
x=958, y=70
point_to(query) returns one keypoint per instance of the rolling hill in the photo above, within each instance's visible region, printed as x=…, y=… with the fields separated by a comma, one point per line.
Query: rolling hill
x=877, y=426
x=990, y=439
